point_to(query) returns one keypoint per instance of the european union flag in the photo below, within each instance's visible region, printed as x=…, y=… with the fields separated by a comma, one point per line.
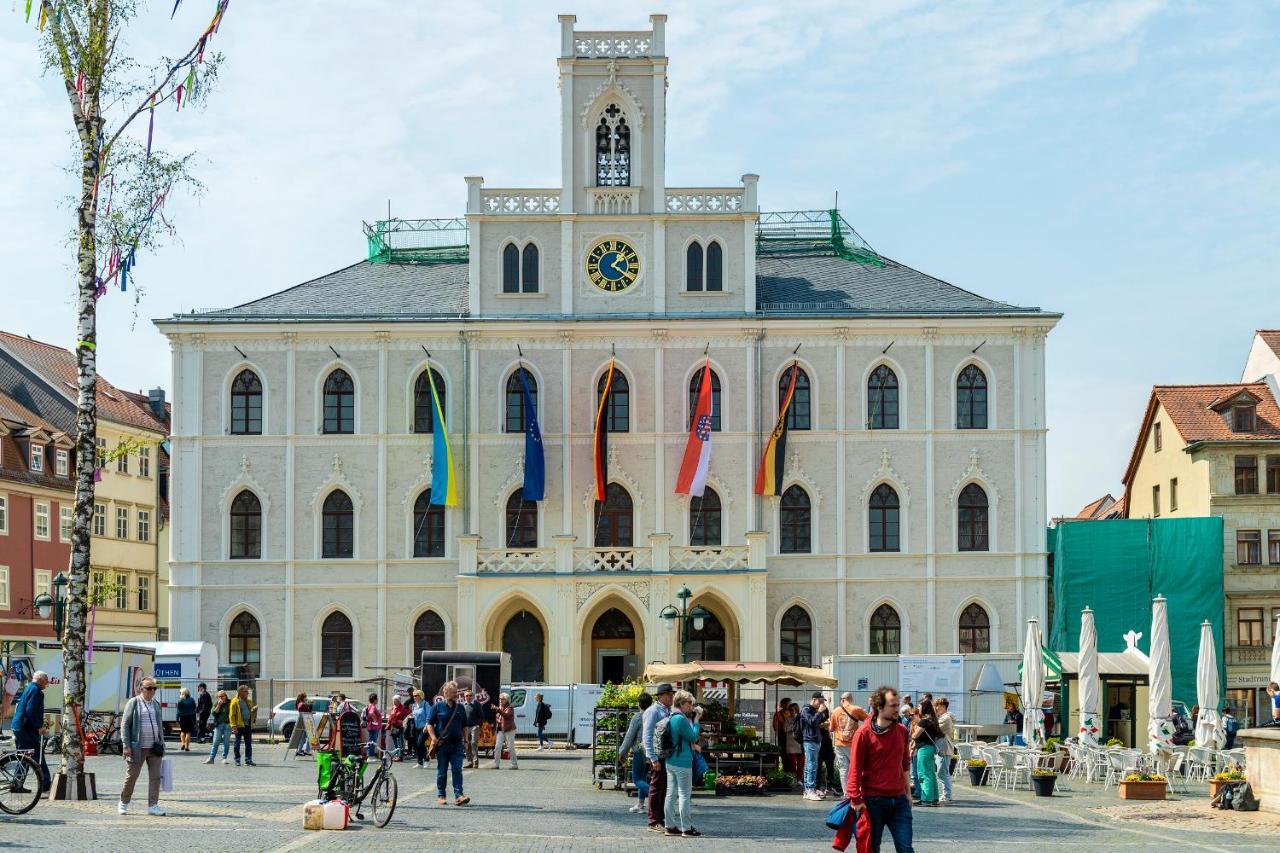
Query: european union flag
x=535, y=472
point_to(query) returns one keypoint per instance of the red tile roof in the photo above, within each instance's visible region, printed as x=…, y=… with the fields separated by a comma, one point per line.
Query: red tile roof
x=1190, y=409
x=1091, y=510
x=1271, y=337
x=15, y=466
x=57, y=367
x=1120, y=509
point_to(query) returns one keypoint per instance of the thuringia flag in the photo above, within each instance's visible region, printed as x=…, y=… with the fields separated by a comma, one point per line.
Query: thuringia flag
x=697, y=452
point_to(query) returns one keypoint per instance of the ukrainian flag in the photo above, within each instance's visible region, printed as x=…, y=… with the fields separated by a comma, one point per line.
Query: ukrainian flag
x=444, y=483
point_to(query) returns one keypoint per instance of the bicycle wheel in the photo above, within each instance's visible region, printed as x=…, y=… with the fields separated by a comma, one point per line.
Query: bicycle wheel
x=53, y=744
x=19, y=783
x=384, y=794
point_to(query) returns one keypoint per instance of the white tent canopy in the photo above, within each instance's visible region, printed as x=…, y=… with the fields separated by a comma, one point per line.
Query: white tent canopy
x=1209, y=728
x=1160, y=701
x=1090, y=685
x=1032, y=687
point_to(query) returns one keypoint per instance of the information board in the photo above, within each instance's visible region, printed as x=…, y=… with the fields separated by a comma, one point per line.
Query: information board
x=941, y=675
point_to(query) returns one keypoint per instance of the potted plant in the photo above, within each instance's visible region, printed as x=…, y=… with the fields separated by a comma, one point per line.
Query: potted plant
x=1233, y=774
x=1143, y=786
x=779, y=780
x=1042, y=781
x=1113, y=741
x=977, y=771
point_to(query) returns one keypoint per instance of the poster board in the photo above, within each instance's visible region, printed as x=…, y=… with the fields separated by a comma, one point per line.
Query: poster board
x=304, y=731
x=941, y=675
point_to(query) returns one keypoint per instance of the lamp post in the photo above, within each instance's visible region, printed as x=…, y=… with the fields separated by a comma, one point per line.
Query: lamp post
x=58, y=604
x=698, y=616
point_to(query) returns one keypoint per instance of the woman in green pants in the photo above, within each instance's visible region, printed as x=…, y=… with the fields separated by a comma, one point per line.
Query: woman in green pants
x=926, y=734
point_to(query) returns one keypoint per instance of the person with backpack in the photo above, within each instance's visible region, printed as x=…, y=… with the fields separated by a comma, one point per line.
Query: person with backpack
x=631, y=745
x=812, y=718
x=372, y=719
x=658, y=711
x=844, y=723
x=541, y=716
x=677, y=736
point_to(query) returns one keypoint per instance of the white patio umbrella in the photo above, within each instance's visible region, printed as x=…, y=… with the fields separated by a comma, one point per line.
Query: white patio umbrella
x=1275, y=654
x=1209, y=729
x=1160, y=701
x=1089, y=685
x=1032, y=687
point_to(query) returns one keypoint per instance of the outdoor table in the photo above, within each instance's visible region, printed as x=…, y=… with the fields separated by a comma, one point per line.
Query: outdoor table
x=967, y=731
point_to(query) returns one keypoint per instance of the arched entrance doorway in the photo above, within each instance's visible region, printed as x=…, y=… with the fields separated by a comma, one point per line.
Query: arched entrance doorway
x=523, y=639
x=613, y=641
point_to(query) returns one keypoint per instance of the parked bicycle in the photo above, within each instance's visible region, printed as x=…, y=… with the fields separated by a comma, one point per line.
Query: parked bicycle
x=104, y=727
x=19, y=781
x=381, y=792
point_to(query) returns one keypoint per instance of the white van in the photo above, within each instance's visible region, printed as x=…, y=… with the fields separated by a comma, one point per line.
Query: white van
x=572, y=710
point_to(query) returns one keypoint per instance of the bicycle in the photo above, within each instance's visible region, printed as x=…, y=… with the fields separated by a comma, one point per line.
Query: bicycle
x=381, y=791
x=105, y=729
x=17, y=796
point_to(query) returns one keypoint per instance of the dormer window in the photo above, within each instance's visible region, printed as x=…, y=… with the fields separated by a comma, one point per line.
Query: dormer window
x=613, y=149
x=1244, y=417
x=37, y=458
x=63, y=462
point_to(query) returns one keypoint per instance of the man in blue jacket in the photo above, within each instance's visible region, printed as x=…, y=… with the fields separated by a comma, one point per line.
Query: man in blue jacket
x=28, y=720
x=812, y=718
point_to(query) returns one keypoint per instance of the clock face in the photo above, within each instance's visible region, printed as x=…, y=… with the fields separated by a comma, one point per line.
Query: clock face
x=612, y=265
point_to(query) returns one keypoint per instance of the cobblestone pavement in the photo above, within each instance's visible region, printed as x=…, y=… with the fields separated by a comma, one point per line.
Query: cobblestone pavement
x=549, y=805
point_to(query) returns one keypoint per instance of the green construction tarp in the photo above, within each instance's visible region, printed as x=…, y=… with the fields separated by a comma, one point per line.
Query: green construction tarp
x=1117, y=567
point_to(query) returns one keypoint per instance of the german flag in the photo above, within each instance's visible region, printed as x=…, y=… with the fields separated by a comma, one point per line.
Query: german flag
x=774, y=459
x=601, y=443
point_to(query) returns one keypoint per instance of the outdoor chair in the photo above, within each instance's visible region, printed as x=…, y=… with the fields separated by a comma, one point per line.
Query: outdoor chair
x=964, y=752
x=1234, y=757
x=1201, y=761
x=1014, y=768
x=1120, y=763
x=1177, y=773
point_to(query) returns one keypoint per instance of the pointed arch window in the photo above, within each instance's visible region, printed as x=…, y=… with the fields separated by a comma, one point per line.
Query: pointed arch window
x=522, y=522
x=695, y=386
x=972, y=519
x=338, y=519
x=336, y=646
x=510, y=268
x=246, y=404
x=424, y=412
x=798, y=412
x=520, y=268
x=795, y=521
x=613, y=518
x=617, y=415
x=515, y=417
x=882, y=398
x=428, y=635
x=704, y=520
x=885, y=631
x=971, y=398
x=244, y=643
x=715, y=267
x=339, y=403
x=975, y=630
x=246, y=527
x=704, y=267
x=795, y=641
x=428, y=527
x=707, y=644
x=693, y=272
x=613, y=149
x=882, y=518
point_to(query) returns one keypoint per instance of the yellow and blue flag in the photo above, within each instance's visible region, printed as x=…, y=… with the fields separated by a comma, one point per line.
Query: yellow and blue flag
x=444, y=485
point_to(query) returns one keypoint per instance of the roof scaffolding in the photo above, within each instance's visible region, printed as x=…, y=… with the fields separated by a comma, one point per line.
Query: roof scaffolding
x=417, y=241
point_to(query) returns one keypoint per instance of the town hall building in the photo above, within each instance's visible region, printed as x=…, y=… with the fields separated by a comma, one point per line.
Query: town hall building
x=910, y=515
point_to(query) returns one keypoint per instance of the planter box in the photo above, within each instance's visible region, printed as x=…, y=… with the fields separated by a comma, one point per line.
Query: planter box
x=978, y=776
x=1043, y=785
x=1143, y=790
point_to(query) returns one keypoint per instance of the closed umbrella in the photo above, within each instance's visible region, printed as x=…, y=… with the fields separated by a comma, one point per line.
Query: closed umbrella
x=1089, y=684
x=1209, y=729
x=1160, y=701
x=1032, y=687
x=1275, y=659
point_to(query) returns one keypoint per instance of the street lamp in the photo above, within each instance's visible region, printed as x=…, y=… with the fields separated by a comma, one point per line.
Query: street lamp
x=59, y=603
x=698, y=616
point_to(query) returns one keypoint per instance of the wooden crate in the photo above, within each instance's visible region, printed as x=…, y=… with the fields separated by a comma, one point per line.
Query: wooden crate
x=1143, y=790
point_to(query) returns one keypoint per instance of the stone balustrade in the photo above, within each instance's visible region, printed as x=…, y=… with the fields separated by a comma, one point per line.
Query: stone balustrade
x=611, y=45
x=705, y=200
x=564, y=558
x=519, y=201
x=724, y=558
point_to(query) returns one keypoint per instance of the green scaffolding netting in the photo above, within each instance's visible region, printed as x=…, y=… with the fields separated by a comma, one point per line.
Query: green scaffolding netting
x=1116, y=567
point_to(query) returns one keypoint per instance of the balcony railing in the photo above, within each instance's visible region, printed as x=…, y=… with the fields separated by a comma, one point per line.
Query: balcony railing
x=614, y=200
x=619, y=45
x=612, y=559
x=563, y=558
x=1241, y=655
x=492, y=561
x=530, y=201
x=725, y=558
x=704, y=200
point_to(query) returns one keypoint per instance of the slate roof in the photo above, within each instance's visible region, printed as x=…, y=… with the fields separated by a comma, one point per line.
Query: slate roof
x=786, y=285
x=15, y=458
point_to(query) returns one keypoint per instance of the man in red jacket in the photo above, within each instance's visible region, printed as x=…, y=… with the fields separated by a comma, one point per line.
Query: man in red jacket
x=880, y=772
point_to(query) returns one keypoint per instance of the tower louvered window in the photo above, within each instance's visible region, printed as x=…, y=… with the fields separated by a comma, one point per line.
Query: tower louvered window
x=613, y=149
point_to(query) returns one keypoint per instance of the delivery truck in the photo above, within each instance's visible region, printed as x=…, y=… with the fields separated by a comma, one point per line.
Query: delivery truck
x=178, y=665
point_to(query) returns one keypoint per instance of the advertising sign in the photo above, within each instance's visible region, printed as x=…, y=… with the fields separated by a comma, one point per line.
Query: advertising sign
x=941, y=675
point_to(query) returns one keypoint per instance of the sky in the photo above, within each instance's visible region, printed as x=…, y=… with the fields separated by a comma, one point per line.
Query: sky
x=1113, y=161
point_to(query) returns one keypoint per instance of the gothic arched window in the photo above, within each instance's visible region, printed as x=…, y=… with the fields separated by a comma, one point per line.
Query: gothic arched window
x=617, y=414
x=244, y=644
x=522, y=522
x=972, y=519
x=246, y=404
x=971, y=398
x=882, y=518
x=514, y=419
x=693, y=279
x=519, y=268
x=882, y=398
x=885, y=631
x=338, y=539
x=975, y=630
x=715, y=267
x=428, y=527
x=795, y=522
x=613, y=149
x=246, y=527
x=695, y=386
x=798, y=411
x=339, y=403
x=796, y=637
x=424, y=411
x=704, y=519
x=428, y=635
x=336, y=646
x=613, y=518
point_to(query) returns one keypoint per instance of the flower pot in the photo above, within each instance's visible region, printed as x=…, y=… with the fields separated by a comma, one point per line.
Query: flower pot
x=1043, y=785
x=978, y=775
x=1143, y=790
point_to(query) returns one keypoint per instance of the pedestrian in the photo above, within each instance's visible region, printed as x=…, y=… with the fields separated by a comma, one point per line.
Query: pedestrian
x=911, y=748
x=844, y=723
x=1273, y=690
x=812, y=717
x=541, y=716
x=946, y=747
x=220, y=714
x=142, y=739
x=305, y=709
x=633, y=745
x=242, y=713
x=926, y=734
x=908, y=711
x=421, y=711
x=445, y=725
x=28, y=723
x=780, y=718
x=659, y=710
x=472, y=719
x=186, y=719
x=684, y=730
x=204, y=707
x=505, y=724
x=1230, y=725
x=373, y=722
x=793, y=746
x=878, y=774
x=395, y=726
x=827, y=761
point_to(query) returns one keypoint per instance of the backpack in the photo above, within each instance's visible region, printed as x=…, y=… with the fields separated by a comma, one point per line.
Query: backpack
x=662, y=739
x=796, y=728
x=1235, y=795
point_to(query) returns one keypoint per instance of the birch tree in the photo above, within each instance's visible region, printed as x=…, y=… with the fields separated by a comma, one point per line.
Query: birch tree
x=119, y=212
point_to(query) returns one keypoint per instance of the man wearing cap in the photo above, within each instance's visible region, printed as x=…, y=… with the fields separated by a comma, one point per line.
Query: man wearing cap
x=812, y=718
x=659, y=710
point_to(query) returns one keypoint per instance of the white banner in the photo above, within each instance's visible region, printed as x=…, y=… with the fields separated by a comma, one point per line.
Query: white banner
x=941, y=675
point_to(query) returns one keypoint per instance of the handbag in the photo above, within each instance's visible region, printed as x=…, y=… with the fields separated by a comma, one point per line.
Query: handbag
x=435, y=742
x=839, y=814
x=166, y=775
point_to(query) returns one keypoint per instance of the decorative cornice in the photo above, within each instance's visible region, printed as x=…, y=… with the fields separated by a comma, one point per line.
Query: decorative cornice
x=618, y=473
x=973, y=472
x=884, y=473
x=795, y=471
x=423, y=480
x=245, y=480
x=635, y=108
x=337, y=480
x=517, y=476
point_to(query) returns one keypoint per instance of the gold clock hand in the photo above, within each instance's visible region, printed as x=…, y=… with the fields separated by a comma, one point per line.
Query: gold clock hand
x=617, y=260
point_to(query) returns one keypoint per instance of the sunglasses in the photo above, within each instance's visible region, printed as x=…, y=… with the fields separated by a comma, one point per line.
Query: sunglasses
x=149, y=688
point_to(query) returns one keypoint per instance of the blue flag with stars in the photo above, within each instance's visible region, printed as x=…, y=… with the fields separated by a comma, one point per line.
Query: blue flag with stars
x=535, y=472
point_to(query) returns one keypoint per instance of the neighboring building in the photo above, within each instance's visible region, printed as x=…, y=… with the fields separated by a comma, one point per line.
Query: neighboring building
x=1263, y=363
x=127, y=502
x=153, y=401
x=911, y=516
x=1214, y=450
x=37, y=496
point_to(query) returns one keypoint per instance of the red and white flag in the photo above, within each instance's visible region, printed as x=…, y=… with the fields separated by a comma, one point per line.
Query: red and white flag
x=697, y=453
